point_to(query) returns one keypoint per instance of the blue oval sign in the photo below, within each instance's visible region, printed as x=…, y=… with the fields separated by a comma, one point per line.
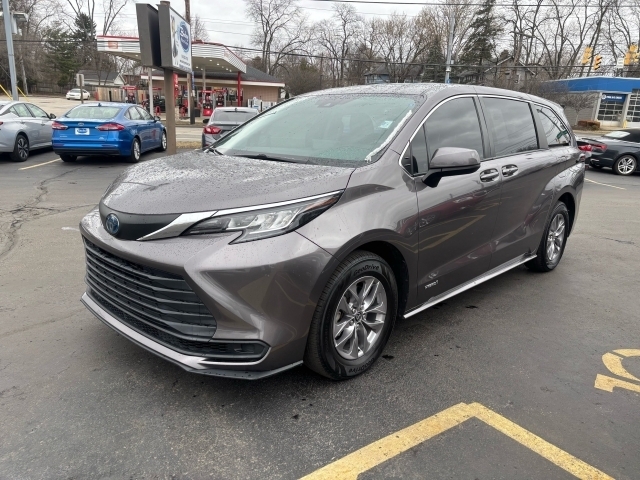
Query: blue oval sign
x=112, y=224
x=185, y=41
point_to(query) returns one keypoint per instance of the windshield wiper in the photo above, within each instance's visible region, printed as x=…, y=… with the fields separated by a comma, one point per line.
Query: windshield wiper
x=262, y=156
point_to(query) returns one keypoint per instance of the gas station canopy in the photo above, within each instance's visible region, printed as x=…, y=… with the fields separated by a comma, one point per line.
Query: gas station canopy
x=210, y=57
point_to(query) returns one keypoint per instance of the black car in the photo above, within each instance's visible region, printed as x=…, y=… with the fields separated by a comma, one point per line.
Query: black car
x=618, y=150
x=157, y=102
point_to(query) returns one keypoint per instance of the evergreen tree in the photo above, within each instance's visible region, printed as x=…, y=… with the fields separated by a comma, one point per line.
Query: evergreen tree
x=61, y=56
x=84, y=34
x=484, y=31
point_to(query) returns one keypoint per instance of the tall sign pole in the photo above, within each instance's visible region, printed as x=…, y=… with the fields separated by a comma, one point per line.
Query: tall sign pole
x=447, y=72
x=8, y=30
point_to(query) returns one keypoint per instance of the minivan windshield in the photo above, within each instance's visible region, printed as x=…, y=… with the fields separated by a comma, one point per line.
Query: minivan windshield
x=323, y=129
x=93, y=112
x=233, y=116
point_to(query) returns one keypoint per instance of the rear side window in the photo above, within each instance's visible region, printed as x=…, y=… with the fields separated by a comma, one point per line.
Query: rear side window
x=554, y=129
x=21, y=110
x=37, y=111
x=454, y=124
x=94, y=112
x=134, y=114
x=511, y=125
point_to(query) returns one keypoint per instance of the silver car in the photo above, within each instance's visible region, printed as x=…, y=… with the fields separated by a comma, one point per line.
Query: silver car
x=23, y=127
x=223, y=120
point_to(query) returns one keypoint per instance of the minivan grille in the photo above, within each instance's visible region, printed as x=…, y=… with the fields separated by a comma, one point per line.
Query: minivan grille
x=157, y=304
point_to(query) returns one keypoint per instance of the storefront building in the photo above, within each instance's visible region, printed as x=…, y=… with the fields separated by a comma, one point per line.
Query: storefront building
x=219, y=75
x=613, y=101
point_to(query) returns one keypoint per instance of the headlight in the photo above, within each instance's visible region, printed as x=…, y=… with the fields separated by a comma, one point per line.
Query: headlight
x=265, y=222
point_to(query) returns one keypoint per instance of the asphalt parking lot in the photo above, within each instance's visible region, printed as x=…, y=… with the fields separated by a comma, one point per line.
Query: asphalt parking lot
x=525, y=376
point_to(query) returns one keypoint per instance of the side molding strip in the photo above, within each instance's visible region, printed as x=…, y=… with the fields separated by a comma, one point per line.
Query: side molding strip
x=472, y=283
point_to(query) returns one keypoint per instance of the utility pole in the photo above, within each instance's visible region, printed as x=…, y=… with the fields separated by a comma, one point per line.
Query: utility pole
x=12, y=60
x=190, y=112
x=447, y=72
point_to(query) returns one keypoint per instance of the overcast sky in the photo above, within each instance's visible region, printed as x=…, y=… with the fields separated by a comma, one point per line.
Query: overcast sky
x=227, y=23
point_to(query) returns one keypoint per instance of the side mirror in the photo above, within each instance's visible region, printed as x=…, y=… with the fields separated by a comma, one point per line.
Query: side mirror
x=450, y=161
x=157, y=118
x=52, y=116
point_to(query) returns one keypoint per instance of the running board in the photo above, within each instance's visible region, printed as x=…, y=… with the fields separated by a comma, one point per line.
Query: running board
x=472, y=283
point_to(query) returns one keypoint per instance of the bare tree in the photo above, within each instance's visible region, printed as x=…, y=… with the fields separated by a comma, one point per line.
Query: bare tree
x=281, y=29
x=337, y=37
x=199, y=29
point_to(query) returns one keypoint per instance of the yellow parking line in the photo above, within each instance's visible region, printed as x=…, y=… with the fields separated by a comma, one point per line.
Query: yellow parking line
x=350, y=466
x=604, y=184
x=39, y=164
x=543, y=448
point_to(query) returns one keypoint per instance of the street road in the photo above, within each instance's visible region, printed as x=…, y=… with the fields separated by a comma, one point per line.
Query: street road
x=508, y=367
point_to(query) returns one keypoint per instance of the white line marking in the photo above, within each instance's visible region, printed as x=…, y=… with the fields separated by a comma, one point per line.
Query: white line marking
x=606, y=185
x=71, y=228
x=39, y=164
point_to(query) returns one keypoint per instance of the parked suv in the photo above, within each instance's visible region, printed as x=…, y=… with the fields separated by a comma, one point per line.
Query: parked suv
x=305, y=233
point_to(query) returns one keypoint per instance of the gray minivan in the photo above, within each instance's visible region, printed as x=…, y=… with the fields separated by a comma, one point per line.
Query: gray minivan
x=304, y=234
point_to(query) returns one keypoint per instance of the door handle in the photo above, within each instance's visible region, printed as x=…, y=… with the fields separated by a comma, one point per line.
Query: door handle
x=489, y=175
x=509, y=170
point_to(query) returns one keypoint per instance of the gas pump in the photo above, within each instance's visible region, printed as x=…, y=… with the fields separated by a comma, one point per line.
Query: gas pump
x=207, y=103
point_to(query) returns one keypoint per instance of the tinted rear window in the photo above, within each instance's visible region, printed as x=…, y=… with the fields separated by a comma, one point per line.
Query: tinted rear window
x=224, y=116
x=554, y=129
x=94, y=112
x=511, y=125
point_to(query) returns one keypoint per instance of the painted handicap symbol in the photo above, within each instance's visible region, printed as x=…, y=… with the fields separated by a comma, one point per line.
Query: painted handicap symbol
x=614, y=364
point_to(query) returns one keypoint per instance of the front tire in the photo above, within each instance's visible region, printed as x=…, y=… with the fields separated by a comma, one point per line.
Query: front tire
x=553, y=241
x=134, y=156
x=20, y=149
x=625, y=165
x=354, y=317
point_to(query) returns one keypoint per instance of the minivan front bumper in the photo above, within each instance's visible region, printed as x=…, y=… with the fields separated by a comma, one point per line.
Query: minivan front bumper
x=258, y=292
x=188, y=362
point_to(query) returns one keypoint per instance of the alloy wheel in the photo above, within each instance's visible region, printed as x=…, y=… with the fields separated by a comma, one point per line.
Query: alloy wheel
x=359, y=318
x=136, y=149
x=23, y=148
x=626, y=165
x=164, y=141
x=555, y=238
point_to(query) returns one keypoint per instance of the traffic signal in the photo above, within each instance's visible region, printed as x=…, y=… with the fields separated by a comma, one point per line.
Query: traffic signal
x=586, y=56
x=597, y=61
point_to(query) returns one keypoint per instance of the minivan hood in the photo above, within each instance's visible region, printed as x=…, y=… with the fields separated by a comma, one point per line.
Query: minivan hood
x=197, y=181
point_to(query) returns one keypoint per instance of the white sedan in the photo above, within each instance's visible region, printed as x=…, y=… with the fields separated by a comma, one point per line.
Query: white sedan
x=74, y=94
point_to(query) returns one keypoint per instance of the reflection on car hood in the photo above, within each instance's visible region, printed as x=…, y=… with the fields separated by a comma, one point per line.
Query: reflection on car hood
x=199, y=181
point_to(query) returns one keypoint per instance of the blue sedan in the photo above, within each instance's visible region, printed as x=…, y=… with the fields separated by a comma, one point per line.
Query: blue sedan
x=107, y=128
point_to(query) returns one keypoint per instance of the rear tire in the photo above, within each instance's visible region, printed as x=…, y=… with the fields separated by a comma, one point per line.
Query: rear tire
x=625, y=165
x=68, y=158
x=20, y=149
x=553, y=241
x=134, y=156
x=163, y=142
x=354, y=317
